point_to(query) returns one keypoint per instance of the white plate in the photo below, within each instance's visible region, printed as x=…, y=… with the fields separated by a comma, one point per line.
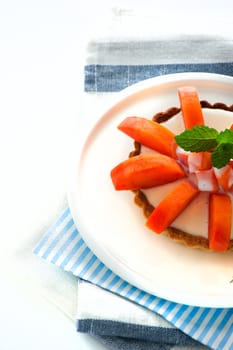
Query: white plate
x=114, y=228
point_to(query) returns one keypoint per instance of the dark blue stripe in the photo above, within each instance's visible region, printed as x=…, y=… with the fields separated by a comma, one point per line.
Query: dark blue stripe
x=111, y=78
x=161, y=335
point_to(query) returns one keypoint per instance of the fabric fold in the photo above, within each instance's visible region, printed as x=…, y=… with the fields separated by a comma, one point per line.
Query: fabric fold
x=116, y=343
x=64, y=246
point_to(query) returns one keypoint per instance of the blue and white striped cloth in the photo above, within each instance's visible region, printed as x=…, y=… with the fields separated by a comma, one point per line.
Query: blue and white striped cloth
x=63, y=246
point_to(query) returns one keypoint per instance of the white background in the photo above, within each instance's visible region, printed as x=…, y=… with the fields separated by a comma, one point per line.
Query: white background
x=41, y=61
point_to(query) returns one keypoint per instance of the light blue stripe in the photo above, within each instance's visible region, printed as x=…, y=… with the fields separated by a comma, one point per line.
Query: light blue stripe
x=198, y=322
x=104, y=277
x=188, y=319
x=169, y=309
x=160, y=303
x=56, y=239
x=113, y=282
x=228, y=334
x=60, y=251
x=50, y=232
x=97, y=270
x=226, y=317
x=87, y=266
x=179, y=313
x=130, y=292
x=73, y=251
x=121, y=287
x=149, y=301
x=140, y=296
x=209, y=324
x=80, y=259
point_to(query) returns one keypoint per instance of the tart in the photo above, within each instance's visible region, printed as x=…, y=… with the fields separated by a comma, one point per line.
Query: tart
x=181, y=193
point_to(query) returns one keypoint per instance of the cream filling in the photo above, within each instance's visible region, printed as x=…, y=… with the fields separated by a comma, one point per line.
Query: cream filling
x=194, y=219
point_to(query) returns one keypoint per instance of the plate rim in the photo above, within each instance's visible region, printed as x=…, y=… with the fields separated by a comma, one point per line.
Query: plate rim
x=125, y=272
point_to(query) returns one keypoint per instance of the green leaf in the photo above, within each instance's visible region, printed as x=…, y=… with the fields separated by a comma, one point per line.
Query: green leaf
x=200, y=138
x=222, y=155
x=225, y=136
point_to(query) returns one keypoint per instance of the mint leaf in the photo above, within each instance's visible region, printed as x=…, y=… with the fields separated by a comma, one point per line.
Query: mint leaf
x=222, y=155
x=202, y=138
x=199, y=138
x=225, y=136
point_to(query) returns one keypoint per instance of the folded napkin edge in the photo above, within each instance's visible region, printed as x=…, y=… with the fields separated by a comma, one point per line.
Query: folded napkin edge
x=173, y=336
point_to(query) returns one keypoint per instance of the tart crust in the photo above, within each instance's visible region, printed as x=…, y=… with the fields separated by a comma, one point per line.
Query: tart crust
x=142, y=201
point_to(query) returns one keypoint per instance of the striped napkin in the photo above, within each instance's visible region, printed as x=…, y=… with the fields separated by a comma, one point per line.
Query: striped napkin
x=118, y=313
x=63, y=246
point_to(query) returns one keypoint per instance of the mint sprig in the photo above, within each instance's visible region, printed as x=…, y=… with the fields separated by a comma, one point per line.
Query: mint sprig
x=200, y=138
x=222, y=155
x=225, y=136
x=203, y=138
